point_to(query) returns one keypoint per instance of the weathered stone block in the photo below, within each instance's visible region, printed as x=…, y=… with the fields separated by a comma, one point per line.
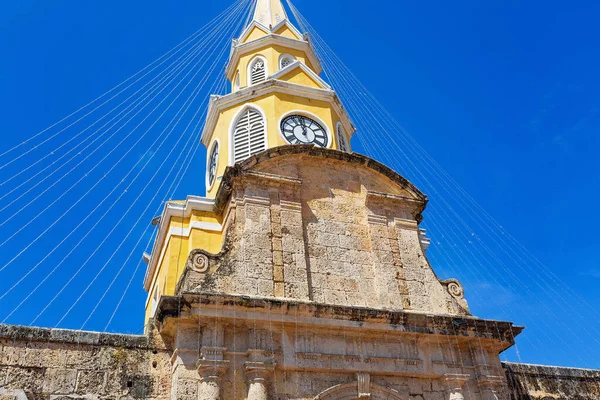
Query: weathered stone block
x=60, y=381
x=91, y=382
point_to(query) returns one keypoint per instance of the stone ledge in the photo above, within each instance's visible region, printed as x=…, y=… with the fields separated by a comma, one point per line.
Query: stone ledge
x=551, y=371
x=364, y=317
x=35, y=334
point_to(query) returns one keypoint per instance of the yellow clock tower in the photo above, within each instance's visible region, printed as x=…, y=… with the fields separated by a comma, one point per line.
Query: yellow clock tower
x=277, y=98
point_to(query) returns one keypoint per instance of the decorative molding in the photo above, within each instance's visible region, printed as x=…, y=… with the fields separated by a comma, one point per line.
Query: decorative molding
x=200, y=263
x=299, y=64
x=270, y=39
x=171, y=209
x=455, y=384
x=244, y=96
x=454, y=288
x=364, y=385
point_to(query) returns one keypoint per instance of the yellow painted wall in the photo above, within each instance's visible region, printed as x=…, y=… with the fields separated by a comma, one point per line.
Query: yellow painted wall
x=287, y=32
x=177, y=250
x=299, y=77
x=274, y=107
x=271, y=54
x=255, y=33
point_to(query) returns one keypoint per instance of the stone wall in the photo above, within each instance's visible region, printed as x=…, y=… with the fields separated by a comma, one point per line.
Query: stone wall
x=320, y=225
x=60, y=364
x=542, y=382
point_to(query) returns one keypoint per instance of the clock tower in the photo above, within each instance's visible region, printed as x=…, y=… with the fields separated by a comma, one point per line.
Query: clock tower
x=277, y=97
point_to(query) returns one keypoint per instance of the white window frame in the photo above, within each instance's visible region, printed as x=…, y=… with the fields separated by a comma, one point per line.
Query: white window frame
x=216, y=142
x=155, y=298
x=251, y=64
x=311, y=116
x=236, y=82
x=339, y=130
x=234, y=123
x=286, y=56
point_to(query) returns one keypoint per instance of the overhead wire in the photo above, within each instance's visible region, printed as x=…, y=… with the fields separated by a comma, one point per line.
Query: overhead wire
x=126, y=212
x=355, y=84
x=205, y=78
x=96, y=184
x=166, y=56
x=91, y=213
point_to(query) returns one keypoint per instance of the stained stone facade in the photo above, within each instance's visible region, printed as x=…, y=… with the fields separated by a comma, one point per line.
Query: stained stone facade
x=322, y=290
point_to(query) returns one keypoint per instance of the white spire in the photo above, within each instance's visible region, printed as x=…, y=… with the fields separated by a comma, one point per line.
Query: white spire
x=269, y=12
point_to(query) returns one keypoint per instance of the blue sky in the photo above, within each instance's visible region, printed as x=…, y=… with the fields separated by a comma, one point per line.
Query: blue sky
x=503, y=95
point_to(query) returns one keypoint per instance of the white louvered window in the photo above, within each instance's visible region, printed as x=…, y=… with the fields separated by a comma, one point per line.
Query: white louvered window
x=342, y=140
x=258, y=71
x=285, y=61
x=249, y=135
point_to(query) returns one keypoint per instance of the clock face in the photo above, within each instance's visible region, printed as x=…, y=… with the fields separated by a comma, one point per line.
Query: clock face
x=212, y=163
x=298, y=129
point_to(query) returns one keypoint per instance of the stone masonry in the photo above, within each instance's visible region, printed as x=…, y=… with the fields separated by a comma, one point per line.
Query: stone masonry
x=322, y=290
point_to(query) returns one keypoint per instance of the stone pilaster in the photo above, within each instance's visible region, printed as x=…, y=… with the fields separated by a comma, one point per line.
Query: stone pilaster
x=454, y=386
x=489, y=386
x=276, y=231
x=295, y=268
x=211, y=373
x=211, y=368
x=364, y=385
x=259, y=370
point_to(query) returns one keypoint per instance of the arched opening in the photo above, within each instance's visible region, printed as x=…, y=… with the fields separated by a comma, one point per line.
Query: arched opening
x=349, y=391
x=285, y=60
x=257, y=71
x=248, y=134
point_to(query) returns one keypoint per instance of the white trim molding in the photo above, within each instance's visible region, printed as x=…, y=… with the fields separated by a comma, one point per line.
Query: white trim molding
x=339, y=133
x=270, y=40
x=233, y=125
x=283, y=57
x=311, y=116
x=209, y=185
x=249, y=69
x=172, y=209
x=256, y=24
x=217, y=104
x=303, y=67
x=236, y=82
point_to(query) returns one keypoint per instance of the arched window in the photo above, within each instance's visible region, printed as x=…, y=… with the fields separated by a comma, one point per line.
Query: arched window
x=342, y=139
x=285, y=60
x=248, y=135
x=257, y=71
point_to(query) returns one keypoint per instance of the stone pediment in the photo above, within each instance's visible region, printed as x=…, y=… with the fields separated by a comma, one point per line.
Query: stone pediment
x=320, y=225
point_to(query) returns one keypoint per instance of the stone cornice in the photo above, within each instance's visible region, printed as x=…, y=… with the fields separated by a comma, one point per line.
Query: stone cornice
x=34, y=334
x=307, y=313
